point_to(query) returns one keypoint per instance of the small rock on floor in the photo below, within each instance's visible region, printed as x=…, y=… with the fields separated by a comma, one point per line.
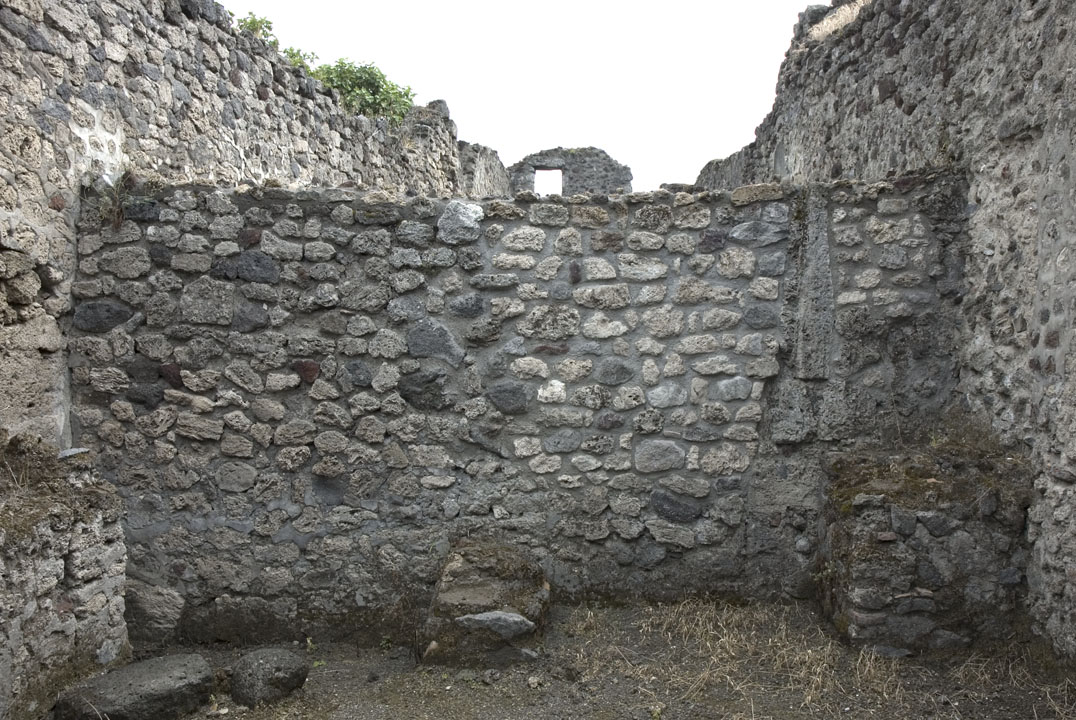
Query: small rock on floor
x=266, y=676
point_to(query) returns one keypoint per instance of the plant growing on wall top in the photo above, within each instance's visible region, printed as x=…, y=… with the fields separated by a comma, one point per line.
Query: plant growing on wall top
x=363, y=88
x=259, y=27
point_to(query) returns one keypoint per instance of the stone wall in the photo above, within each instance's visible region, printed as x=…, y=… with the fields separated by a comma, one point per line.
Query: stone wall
x=987, y=89
x=925, y=548
x=306, y=397
x=166, y=90
x=583, y=170
x=62, y=558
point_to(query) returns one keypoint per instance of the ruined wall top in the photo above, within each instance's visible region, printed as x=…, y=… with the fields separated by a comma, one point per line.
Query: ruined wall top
x=584, y=170
x=166, y=91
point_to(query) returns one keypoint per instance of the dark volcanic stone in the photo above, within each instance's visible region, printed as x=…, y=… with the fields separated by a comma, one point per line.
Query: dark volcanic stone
x=510, y=397
x=761, y=318
x=674, y=508
x=266, y=676
x=613, y=372
x=249, y=316
x=713, y=240
x=250, y=236
x=148, y=394
x=170, y=373
x=256, y=266
x=467, y=306
x=141, y=210
x=354, y=374
x=430, y=339
x=160, y=688
x=161, y=256
x=98, y=316
x=222, y=268
x=425, y=389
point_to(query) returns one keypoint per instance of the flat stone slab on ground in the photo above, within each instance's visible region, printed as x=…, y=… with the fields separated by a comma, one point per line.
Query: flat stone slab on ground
x=156, y=689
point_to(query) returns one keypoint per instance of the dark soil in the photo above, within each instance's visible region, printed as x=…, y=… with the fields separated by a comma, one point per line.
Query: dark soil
x=695, y=659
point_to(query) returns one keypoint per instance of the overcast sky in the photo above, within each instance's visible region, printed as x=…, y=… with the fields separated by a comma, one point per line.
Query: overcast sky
x=663, y=87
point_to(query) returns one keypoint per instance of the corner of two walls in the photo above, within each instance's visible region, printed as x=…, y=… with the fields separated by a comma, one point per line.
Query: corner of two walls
x=994, y=104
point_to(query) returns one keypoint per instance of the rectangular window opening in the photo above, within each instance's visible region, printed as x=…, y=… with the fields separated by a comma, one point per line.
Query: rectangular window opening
x=548, y=182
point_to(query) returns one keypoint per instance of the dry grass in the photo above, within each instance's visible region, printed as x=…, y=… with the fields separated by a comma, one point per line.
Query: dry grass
x=689, y=660
x=981, y=678
x=836, y=20
x=746, y=656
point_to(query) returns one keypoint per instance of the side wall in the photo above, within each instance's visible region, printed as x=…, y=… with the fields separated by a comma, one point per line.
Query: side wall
x=305, y=398
x=62, y=560
x=988, y=88
x=166, y=90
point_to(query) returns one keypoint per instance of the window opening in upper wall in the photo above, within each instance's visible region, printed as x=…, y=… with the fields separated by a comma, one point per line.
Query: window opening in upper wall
x=548, y=182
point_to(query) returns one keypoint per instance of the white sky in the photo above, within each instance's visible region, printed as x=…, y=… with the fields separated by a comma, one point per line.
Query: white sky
x=663, y=88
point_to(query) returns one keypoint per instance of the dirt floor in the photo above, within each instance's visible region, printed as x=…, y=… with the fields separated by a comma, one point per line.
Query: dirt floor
x=695, y=659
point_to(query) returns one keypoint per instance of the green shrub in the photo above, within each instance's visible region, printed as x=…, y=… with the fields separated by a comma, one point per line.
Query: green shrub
x=259, y=27
x=300, y=59
x=365, y=89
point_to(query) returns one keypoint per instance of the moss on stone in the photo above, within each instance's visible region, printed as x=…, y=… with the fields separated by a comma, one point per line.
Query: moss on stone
x=955, y=460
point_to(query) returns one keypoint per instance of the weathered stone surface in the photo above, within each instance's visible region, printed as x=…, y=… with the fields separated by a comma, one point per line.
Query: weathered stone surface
x=747, y=194
x=605, y=297
x=686, y=485
x=425, y=389
x=487, y=594
x=267, y=676
x=430, y=339
x=583, y=170
x=459, y=223
x=295, y=432
x=510, y=397
x=658, y=456
x=98, y=316
x=508, y=625
x=198, y=427
x=673, y=508
x=613, y=372
x=525, y=239
x=153, y=611
x=207, y=301
x=164, y=687
x=550, y=322
x=236, y=476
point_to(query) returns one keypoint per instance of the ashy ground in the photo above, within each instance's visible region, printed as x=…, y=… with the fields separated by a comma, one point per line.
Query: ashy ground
x=695, y=659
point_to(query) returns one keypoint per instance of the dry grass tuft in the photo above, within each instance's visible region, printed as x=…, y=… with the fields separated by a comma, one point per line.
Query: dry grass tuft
x=836, y=20
x=718, y=654
x=700, y=647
